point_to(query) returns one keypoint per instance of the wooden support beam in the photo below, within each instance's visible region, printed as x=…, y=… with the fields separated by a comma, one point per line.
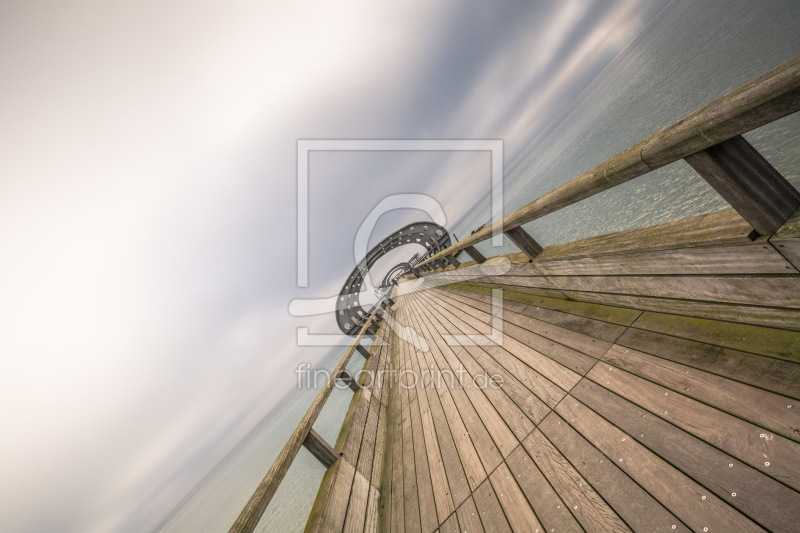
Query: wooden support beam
x=475, y=254
x=416, y=272
x=524, y=242
x=349, y=380
x=453, y=261
x=320, y=449
x=748, y=182
x=363, y=351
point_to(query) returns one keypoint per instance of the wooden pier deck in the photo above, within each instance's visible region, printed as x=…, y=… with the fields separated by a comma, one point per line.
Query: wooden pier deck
x=610, y=417
x=646, y=380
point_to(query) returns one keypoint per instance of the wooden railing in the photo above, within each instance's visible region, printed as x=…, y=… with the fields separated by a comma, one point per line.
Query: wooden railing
x=710, y=141
x=303, y=435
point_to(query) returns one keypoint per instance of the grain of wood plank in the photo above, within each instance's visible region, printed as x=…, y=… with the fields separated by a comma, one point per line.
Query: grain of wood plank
x=543, y=388
x=719, y=227
x=549, y=508
x=770, y=503
x=760, y=340
x=450, y=525
x=740, y=258
x=469, y=518
x=330, y=515
x=411, y=505
x=496, y=426
x=595, y=328
x=772, y=454
x=693, y=504
x=371, y=519
x=516, y=401
x=776, y=317
x=381, y=446
x=473, y=468
x=520, y=327
x=357, y=507
x=604, y=313
x=549, y=368
x=788, y=248
x=398, y=512
x=548, y=293
x=441, y=491
x=763, y=408
x=491, y=514
x=479, y=437
x=772, y=291
x=769, y=373
x=427, y=503
x=352, y=431
x=369, y=439
x=588, y=508
x=519, y=513
x=640, y=511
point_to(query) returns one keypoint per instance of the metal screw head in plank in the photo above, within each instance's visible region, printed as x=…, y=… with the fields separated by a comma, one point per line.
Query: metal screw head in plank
x=766, y=464
x=704, y=497
x=733, y=494
x=730, y=465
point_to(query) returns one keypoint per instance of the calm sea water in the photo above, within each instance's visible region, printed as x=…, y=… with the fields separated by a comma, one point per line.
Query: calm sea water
x=691, y=54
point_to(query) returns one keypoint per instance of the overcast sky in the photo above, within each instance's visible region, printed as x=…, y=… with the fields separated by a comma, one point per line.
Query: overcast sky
x=148, y=208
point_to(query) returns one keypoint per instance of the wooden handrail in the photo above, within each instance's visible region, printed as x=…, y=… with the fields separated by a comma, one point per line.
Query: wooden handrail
x=773, y=95
x=251, y=514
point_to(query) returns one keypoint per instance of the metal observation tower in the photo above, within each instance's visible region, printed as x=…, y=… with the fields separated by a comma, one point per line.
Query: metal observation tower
x=350, y=314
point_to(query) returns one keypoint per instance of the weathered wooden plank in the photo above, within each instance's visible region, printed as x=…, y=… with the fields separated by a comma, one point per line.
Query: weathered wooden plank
x=411, y=505
x=614, y=315
x=693, y=504
x=491, y=513
x=533, y=291
x=478, y=437
x=582, y=500
x=371, y=520
x=518, y=512
x=640, y=511
x=352, y=431
x=769, y=373
x=764, y=341
x=330, y=507
x=450, y=525
x=758, y=406
x=543, y=388
x=382, y=445
x=740, y=258
x=524, y=242
x=772, y=291
x=320, y=449
x=470, y=459
x=760, y=316
x=515, y=323
x=773, y=505
x=788, y=248
x=549, y=368
x=369, y=438
x=469, y=518
x=427, y=504
x=594, y=328
x=494, y=422
x=357, y=507
x=398, y=512
x=719, y=227
x=549, y=508
x=748, y=182
x=480, y=365
x=441, y=491
x=382, y=473
x=772, y=454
